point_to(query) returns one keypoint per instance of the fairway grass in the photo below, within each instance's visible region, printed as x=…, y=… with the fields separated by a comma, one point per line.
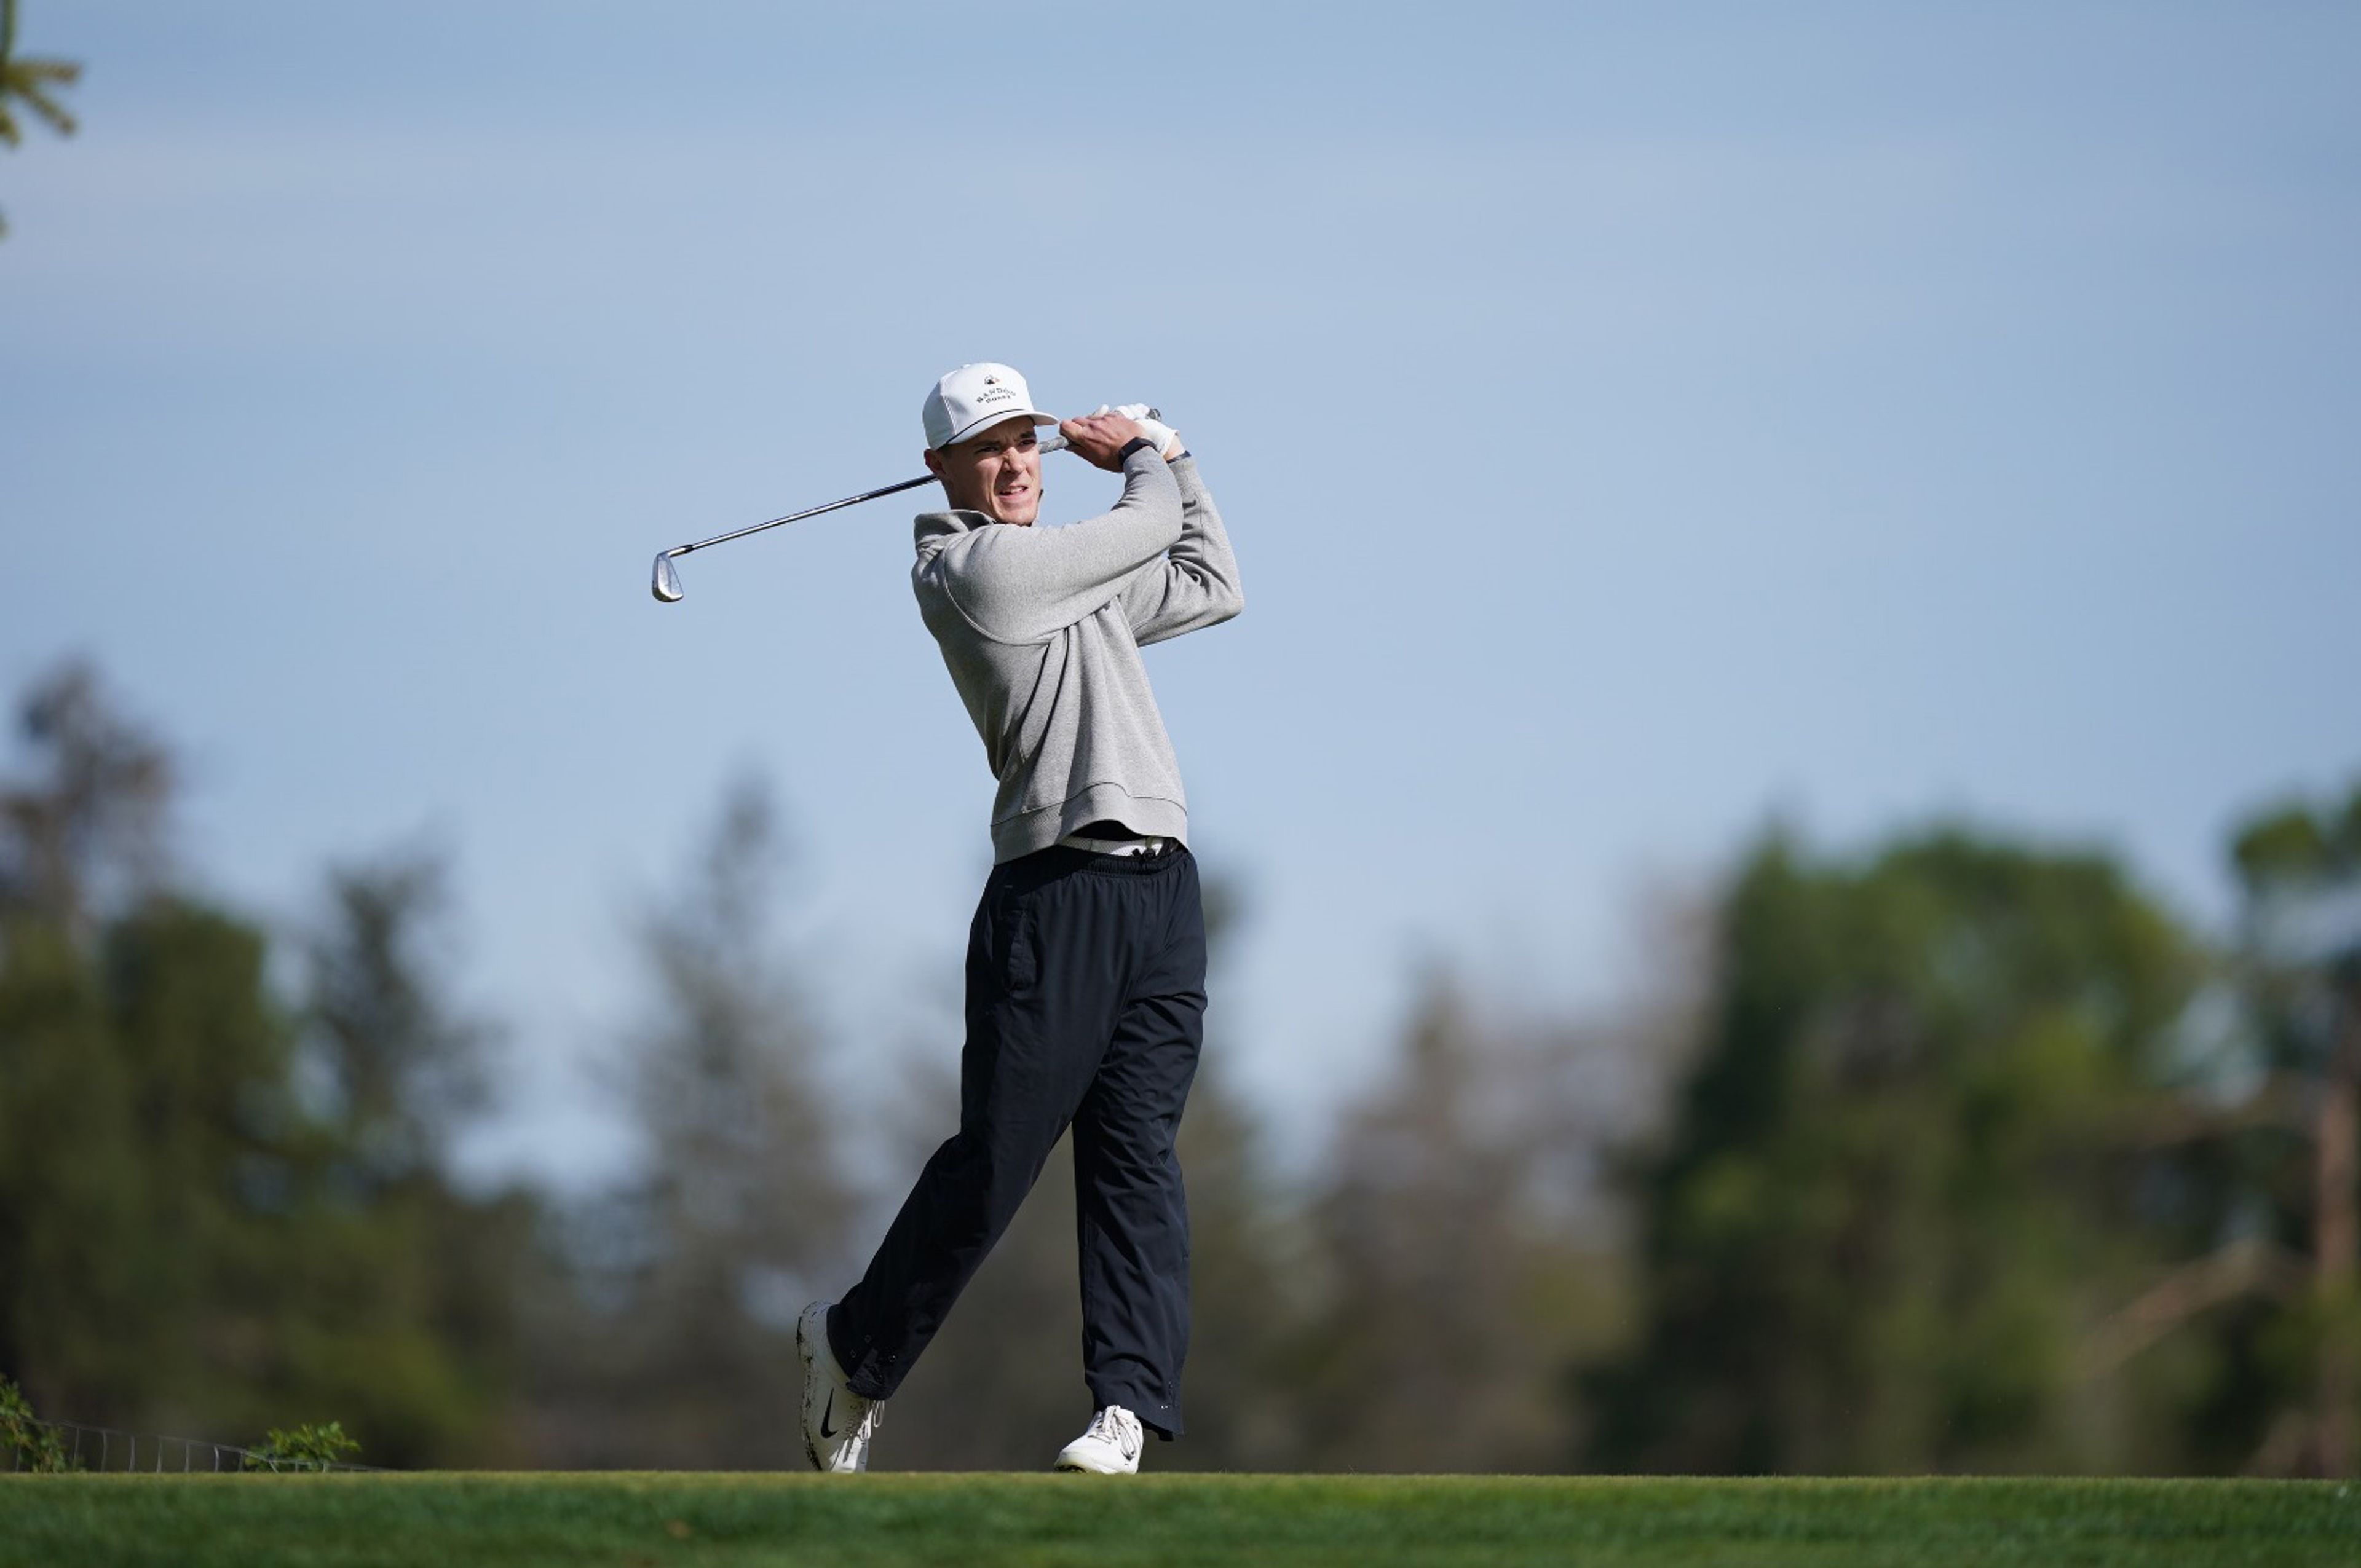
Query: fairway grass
x=642, y=1520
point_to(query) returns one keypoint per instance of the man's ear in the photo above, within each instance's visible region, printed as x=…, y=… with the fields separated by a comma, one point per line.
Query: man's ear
x=934, y=462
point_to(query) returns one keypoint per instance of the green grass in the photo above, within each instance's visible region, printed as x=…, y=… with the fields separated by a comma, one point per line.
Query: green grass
x=1229, y=1521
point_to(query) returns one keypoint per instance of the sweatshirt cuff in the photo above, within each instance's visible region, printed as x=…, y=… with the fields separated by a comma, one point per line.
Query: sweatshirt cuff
x=1184, y=470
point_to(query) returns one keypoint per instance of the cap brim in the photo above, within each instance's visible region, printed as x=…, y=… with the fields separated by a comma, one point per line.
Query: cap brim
x=998, y=417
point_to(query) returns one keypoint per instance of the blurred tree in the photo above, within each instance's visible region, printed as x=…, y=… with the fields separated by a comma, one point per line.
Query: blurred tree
x=1247, y=1283
x=81, y=830
x=177, y=1250
x=31, y=82
x=1898, y=1187
x=696, y=1273
x=405, y=1071
x=1454, y=1295
x=73, y=1319
x=84, y=835
x=413, y=1273
x=2302, y=873
x=1246, y=1246
x=2264, y=1148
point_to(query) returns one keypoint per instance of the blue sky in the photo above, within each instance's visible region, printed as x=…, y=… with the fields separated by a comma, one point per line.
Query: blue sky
x=1633, y=422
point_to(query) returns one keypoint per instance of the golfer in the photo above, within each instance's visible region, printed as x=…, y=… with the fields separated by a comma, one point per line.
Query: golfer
x=1086, y=959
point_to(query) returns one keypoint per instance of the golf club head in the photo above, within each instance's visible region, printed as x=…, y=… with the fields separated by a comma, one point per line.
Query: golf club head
x=665, y=584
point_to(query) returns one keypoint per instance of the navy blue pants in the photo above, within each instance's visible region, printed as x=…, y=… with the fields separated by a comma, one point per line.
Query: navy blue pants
x=1085, y=1007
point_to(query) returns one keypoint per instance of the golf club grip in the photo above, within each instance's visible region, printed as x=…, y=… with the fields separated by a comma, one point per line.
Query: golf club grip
x=1053, y=441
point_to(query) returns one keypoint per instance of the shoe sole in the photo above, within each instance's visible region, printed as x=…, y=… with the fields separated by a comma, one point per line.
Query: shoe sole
x=1074, y=1467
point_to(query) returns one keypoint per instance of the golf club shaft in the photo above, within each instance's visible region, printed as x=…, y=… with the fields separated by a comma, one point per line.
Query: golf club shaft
x=1052, y=443
x=799, y=516
x=665, y=583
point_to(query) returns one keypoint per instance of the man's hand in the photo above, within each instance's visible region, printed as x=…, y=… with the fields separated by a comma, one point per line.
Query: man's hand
x=1162, y=437
x=1098, y=439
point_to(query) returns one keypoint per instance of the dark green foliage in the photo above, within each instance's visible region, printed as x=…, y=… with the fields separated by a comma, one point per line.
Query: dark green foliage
x=1973, y=1161
x=2299, y=845
x=2272, y=1150
x=406, y=1070
x=189, y=1243
x=83, y=834
x=32, y=83
x=1898, y=1186
x=307, y=1448
x=25, y=1441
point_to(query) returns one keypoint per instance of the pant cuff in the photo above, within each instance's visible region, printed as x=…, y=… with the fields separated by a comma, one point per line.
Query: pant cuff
x=1157, y=1416
x=857, y=1375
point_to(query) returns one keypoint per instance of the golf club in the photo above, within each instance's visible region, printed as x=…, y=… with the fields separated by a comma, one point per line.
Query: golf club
x=665, y=582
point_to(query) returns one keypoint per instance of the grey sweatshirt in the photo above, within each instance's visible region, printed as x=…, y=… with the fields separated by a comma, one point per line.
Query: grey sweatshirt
x=1042, y=627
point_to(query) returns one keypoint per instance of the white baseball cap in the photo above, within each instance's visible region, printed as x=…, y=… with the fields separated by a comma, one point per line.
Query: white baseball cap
x=975, y=396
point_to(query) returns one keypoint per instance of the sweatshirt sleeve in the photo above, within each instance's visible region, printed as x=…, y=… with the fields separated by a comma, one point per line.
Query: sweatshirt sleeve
x=1196, y=584
x=1020, y=584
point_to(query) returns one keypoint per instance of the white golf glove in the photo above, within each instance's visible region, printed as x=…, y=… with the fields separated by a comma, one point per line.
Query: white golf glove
x=1162, y=437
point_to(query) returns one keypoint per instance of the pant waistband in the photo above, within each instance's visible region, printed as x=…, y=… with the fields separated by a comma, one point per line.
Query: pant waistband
x=1118, y=846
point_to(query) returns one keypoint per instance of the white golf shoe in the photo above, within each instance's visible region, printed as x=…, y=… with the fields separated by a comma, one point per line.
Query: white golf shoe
x=837, y=1423
x=1111, y=1447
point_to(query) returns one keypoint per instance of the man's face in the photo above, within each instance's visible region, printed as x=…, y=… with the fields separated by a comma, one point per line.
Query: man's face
x=997, y=473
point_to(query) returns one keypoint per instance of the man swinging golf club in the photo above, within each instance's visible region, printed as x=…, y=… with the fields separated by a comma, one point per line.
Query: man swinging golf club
x=1086, y=958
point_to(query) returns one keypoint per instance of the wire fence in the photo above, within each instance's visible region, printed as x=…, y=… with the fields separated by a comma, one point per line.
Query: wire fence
x=111, y=1449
